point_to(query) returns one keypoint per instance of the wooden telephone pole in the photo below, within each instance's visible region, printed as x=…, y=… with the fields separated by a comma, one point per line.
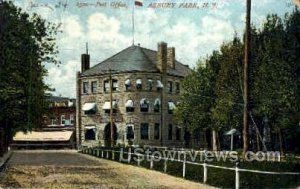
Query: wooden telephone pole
x=111, y=111
x=246, y=80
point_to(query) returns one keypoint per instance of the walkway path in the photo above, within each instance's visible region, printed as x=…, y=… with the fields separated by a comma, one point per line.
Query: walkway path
x=69, y=169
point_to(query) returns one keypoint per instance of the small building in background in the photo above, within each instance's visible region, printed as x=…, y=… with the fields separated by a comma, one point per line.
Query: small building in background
x=61, y=115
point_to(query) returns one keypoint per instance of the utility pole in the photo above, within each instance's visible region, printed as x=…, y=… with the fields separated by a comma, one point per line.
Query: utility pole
x=246, y=80
x=111, y=111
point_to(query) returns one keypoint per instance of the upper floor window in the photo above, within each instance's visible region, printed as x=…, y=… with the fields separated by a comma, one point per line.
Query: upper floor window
x=85, y=87
x=89, y=108
x=129, y=106
x=127, y=84
x=177, y=87
x=94, y=87
x=144, y=104
x=107, y=85
x=145, y=131
x=170, y=87
x=159, y=85
x=106, y=107
x=139, y=84
x=114, y=85
x=157, y=105
x=171, y=107
x=150, y=84
x=62, y=119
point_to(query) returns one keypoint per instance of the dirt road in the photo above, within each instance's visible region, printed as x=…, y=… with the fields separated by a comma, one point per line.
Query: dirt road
x=68, y=169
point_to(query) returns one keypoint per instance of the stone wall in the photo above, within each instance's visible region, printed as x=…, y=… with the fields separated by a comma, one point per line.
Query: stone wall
x=100, y=119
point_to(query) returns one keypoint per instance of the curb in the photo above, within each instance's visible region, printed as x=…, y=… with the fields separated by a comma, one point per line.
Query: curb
x=4, y=159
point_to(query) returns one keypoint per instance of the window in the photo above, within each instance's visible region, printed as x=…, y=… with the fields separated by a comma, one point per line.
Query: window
x=129, y=132
x=129, y=106
x=94, y=86
x=71, y=119
x=150, y=84
x=139, y=84
x=156, y=131
x=53, y=119
x=114, y=85
x=171, y=107
x=62, y=120
x=157, y=105
x=85, y=87
x=90, y=112
x=90, y=133
x=106, y=106
x=177, y=87
x=144, y=105
x=170, y=132
x=106, y=86
x=178, y=133
x=144, y=131
x=170, y=87
x=89, y=108
x=159, y=85
x=127, y=84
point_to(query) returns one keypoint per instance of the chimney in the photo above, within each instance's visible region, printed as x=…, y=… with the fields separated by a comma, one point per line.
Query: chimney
x=171, y=58
x=162, y=56
x=85, y=60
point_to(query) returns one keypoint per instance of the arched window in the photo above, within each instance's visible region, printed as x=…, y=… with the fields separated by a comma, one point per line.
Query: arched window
x=139, y=84
x=171, y=107
x=159, y=85
x=144, y=105
x=157, y=105
x=127, y=84
x=129, y=106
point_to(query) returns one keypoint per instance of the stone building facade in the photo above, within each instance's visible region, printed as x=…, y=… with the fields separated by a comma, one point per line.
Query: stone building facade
x=145, y=91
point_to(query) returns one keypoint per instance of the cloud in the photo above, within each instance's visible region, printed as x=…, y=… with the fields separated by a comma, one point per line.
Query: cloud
x=106, y=36
x=63, y=78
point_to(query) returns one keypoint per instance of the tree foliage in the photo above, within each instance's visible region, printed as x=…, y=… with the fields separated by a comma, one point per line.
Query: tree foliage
x=274, y=80
x=27, y=43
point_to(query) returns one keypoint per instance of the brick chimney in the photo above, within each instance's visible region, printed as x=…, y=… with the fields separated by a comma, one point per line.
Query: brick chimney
x=85, y=62
x=171, y=58
x=162, y=56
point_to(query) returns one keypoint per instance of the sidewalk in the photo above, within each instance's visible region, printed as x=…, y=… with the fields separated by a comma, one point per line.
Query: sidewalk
x=4, y=159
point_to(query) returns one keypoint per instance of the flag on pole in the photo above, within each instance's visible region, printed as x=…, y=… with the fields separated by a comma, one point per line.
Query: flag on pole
x=138, y=2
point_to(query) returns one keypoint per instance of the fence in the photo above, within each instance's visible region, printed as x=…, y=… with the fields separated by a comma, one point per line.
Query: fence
x=109, y=153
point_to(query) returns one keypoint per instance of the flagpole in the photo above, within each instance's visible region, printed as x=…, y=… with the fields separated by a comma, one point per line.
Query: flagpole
x=133, y=23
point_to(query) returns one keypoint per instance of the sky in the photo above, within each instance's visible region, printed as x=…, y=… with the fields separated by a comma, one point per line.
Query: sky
x=106, y=25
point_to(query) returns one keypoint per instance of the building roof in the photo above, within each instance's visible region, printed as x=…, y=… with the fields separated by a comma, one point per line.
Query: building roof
x=60, y=99
x=134, y=59
x=43, y=136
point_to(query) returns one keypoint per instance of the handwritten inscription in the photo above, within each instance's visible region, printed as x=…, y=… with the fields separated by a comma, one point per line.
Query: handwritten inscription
x=60, y=4
x=114, y=4
x=124, y=4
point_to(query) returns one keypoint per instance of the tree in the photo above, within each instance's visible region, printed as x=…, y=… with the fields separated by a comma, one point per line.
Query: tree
x=27, y=43
x=227, y=111
x=198, y=96
x=212, y=96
